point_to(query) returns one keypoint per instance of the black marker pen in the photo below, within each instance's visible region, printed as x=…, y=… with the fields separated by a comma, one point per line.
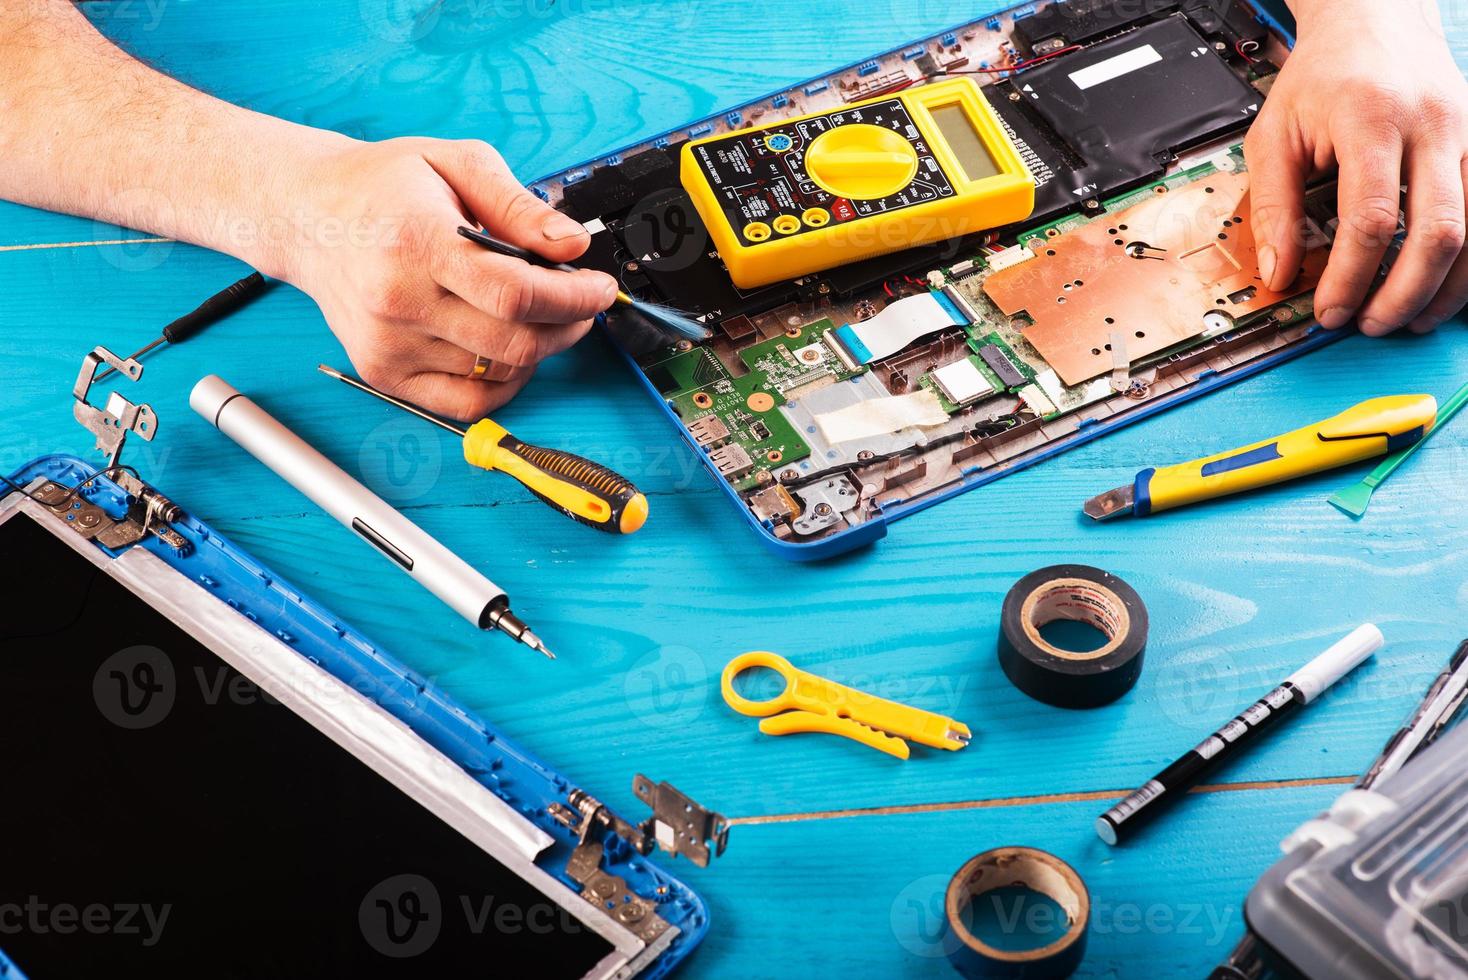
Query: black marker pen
x=1301, y=688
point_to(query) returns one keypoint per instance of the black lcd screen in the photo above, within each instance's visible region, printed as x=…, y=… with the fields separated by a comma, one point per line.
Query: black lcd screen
x=159, y=818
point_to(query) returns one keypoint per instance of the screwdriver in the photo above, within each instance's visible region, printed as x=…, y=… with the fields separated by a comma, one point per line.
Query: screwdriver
x=212, y=310
x=584, y=491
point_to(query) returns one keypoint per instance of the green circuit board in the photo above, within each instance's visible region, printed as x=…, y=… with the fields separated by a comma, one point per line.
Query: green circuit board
x=748, y=406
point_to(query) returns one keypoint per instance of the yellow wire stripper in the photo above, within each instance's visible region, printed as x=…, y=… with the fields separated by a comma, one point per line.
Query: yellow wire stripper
x=1372, y=428
x=815, y=704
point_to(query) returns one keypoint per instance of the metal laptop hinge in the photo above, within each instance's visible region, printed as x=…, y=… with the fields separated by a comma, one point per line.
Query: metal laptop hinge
x=678, y=825
x=148, y=512
x=610, y=892
x=111, y=425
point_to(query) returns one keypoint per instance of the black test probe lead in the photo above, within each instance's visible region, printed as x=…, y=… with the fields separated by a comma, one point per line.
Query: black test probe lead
x=212, y=310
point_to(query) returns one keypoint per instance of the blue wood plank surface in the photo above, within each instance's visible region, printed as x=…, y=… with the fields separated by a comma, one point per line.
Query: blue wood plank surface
x=1240, y=592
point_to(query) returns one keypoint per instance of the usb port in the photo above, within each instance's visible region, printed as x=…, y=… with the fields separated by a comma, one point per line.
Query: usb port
x=732, y=462
x=709, y=431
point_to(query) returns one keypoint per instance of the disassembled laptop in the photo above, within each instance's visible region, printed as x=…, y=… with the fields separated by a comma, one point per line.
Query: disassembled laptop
x=1131, y=286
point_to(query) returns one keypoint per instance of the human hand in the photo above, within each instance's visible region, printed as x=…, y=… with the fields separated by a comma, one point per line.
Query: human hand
x=1371, y=88
x=411, y=301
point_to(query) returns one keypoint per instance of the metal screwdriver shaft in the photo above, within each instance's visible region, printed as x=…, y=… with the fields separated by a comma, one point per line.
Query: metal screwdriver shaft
x=211, y=311
x=332, y=372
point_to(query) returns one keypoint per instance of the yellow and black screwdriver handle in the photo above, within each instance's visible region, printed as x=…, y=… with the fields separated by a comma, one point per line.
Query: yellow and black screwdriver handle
x=1372, y=428
x=584, y=491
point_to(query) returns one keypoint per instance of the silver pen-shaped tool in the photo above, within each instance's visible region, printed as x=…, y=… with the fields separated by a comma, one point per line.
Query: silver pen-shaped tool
x=1439, y=706
x=373, y=519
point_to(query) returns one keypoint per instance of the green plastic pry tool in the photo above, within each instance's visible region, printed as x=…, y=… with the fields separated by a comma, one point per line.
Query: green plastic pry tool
x=1352, y=500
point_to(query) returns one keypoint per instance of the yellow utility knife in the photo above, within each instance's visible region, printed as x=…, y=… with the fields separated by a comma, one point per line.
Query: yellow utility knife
x=1373, y=428
x=813, y=704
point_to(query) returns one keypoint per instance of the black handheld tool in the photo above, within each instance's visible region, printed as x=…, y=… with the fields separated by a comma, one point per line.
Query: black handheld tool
x=212, y=310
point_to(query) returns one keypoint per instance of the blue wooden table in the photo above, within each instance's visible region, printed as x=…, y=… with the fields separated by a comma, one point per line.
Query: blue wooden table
x=840, y=854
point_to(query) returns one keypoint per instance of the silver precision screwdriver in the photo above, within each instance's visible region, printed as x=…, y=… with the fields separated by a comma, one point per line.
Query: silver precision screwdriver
x=427, y=560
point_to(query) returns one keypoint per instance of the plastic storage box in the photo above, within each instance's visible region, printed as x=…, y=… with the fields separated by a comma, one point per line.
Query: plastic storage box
x=1378, y=886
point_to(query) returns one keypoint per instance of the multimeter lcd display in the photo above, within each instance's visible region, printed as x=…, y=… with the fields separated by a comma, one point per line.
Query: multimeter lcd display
x=965, y=142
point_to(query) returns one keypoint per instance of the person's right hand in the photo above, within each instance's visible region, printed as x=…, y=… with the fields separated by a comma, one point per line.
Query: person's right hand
x=1371, y=89
x=413, y=302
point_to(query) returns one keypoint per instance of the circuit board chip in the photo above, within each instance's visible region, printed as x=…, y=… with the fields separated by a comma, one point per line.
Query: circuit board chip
x=962, y=382
x=1002, y=366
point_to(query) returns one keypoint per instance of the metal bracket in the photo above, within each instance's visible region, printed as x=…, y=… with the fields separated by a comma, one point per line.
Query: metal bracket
x=825, y=504
x=677, y=825
x=639, y=915
x=111, y=425
x=148, y=512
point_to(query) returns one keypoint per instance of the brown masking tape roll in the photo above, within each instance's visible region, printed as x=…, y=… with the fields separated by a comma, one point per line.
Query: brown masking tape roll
x=1038, y=871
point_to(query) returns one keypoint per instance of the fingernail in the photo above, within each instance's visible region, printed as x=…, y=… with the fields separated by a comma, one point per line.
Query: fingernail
x=1335, y=317
x=1267, y=260
x=1374, y=328
x=558, y=227
x=1423, y=324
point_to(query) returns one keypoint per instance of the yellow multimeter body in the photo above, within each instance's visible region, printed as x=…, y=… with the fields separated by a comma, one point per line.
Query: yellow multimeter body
x=828, y=188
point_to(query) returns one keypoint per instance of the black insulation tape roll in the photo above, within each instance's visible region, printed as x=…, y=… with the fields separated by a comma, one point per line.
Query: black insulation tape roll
x=1065, y=678
x=1006, y=867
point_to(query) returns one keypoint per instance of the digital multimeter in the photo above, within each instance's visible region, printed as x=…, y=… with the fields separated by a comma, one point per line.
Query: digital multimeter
x=828, y=188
